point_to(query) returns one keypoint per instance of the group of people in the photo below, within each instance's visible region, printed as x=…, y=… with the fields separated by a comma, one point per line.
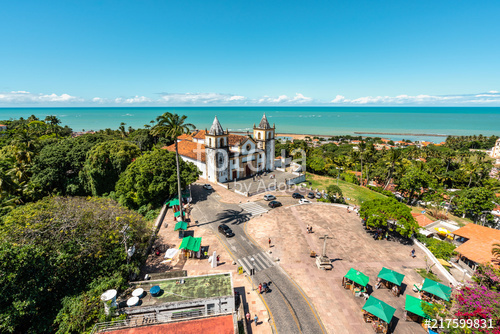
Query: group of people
x=256, y=318
x=309, y=229
x=379, y=234
x=264, y=287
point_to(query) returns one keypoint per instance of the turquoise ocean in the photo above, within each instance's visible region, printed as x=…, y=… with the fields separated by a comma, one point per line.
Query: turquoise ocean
x=299, y=120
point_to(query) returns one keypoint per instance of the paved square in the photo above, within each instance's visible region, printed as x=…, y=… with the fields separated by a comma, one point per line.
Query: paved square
x=351, y=246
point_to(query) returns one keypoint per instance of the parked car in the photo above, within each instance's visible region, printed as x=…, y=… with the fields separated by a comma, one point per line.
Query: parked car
x=226, y=230
x=274, y=204
x=297, y=195
x=269, y=197
x=318, y=195
x=304, y=201
x=207, y=186
x=311, y=195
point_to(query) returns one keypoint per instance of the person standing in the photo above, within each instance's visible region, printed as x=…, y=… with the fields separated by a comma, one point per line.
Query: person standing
x=248, y=316
x=256, y=318
x=260, y=287
x=269, y=242
x=412, y=253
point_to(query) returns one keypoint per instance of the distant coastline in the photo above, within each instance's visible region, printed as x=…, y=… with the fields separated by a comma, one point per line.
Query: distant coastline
x=400, y=134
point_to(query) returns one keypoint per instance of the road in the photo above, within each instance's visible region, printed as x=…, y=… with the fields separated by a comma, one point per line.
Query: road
x=289, y=307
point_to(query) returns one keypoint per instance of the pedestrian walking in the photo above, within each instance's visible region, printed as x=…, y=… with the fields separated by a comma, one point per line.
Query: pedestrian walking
x=260, y=287
x=256, y=318
x=218, y=259
x=412, y=253
x=269, y=242
x=264, y=287
x=248, y=316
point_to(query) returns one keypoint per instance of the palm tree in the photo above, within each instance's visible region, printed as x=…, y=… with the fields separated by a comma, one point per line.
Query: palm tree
x=173, y=126
x=392, y=157
x=53, y=122
x=122, y=129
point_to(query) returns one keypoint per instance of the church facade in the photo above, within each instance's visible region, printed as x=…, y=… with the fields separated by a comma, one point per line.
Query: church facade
x=222, y=156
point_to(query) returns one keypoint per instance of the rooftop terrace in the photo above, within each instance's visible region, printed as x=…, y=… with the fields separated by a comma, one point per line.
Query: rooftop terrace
x=195, y=287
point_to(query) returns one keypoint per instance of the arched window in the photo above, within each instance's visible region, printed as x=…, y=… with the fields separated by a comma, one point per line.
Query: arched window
x=218, y=142
x=269, y=135
x=258, y=135
x=209, y=141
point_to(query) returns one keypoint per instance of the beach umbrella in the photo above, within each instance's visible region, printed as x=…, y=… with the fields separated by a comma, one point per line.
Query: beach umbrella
x=414, y=305
x=437, y=289
x=177, y=214
x=379, y=309
x=442, y=230
x=391, y=276
x=173, y=202
x=357, y=276
x=180, y=226
x=191, y=243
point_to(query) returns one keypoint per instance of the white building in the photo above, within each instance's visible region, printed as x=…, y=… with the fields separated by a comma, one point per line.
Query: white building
x=223, y=157
x=495, y=151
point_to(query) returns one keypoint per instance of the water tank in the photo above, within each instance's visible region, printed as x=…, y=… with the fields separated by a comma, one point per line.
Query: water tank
x=109, y=299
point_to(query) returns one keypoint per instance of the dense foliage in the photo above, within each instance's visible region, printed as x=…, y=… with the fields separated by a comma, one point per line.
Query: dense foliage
x=441, y=249
x=151, y=179
x=60, y=247
x=105, y=162
x=381, y=213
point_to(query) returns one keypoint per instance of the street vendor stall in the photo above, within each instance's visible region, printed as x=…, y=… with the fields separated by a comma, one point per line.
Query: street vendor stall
x=181, y=227
x=379, y=314
x=391, y=280
x=356, y=281
x=433, y=291
x=191, y=246
x=413, y=309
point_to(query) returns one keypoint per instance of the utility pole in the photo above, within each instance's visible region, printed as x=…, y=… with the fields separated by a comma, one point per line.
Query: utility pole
x=325, y=237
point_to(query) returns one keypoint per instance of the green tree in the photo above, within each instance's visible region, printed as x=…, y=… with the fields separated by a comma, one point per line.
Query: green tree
x=379, y=213
x=57, y=248
x=172, y=126
x=412, y=182
x=334, y=194
x=151, y=179
x=105, y=162
x=474, y=202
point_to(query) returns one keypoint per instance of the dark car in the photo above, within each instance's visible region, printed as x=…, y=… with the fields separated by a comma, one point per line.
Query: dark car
x=311, y=195
x=226, y=230
x=297, y=195
x=274, y=204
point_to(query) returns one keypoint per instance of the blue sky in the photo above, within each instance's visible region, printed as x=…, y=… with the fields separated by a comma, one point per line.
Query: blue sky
x=74, y=53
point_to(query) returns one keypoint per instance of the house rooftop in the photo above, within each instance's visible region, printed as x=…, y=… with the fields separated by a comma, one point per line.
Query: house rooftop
x=194, y=287
x=220, y=325
x=481, y=239
x=189, y=149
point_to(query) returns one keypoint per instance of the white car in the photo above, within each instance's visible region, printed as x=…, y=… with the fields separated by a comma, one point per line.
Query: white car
x=304, y=201
x=269, y=197
x=207, y=186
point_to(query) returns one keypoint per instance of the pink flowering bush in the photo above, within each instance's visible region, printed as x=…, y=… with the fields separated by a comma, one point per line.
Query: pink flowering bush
x=480, y=299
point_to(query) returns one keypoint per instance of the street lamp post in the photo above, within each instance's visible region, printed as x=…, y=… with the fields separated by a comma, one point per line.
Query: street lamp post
x=338, y=173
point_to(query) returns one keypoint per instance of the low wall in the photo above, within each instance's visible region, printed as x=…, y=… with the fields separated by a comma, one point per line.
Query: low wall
x=434, y=260
x=156, y=228
x=300, y=178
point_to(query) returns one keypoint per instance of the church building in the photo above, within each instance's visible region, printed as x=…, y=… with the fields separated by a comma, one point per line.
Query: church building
x=222, y=156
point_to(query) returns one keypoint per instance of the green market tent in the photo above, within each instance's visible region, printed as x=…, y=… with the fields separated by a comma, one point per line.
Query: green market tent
x=173, y=202
x=177, y=214
x=379, y=309
x=437, y=289
x=181, y=226
x=414, y=305
x=391, y=276
x=357, y=276
x=190, y=243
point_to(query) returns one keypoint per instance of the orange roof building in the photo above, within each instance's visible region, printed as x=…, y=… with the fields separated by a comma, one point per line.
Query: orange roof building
x=477, y=244
x=222, y=156
x=213, y=325
x=421, y=219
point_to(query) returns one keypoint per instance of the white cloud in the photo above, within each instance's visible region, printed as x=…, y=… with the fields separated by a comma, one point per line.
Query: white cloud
x=284, y=99
x=138, y=99
x=21, y=96
x=200, y=98
x=418, y=99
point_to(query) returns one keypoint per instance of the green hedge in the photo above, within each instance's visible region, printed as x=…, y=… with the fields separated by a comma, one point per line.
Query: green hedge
x=440, y=249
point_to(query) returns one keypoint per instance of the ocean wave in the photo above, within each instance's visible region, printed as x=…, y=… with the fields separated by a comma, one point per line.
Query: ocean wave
x=128, y=115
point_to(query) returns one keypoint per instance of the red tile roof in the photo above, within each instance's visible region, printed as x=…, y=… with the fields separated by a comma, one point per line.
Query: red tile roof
x=213, y=325
x=189, y=149
x=421, y=219
x=200, y=134
x=185, y=136
x=481, y=239
x=235, y=140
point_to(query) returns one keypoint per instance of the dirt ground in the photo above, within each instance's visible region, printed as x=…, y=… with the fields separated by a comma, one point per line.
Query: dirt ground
x=351, y=247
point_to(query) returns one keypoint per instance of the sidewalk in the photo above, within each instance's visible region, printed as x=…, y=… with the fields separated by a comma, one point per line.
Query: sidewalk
x=168, y=238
